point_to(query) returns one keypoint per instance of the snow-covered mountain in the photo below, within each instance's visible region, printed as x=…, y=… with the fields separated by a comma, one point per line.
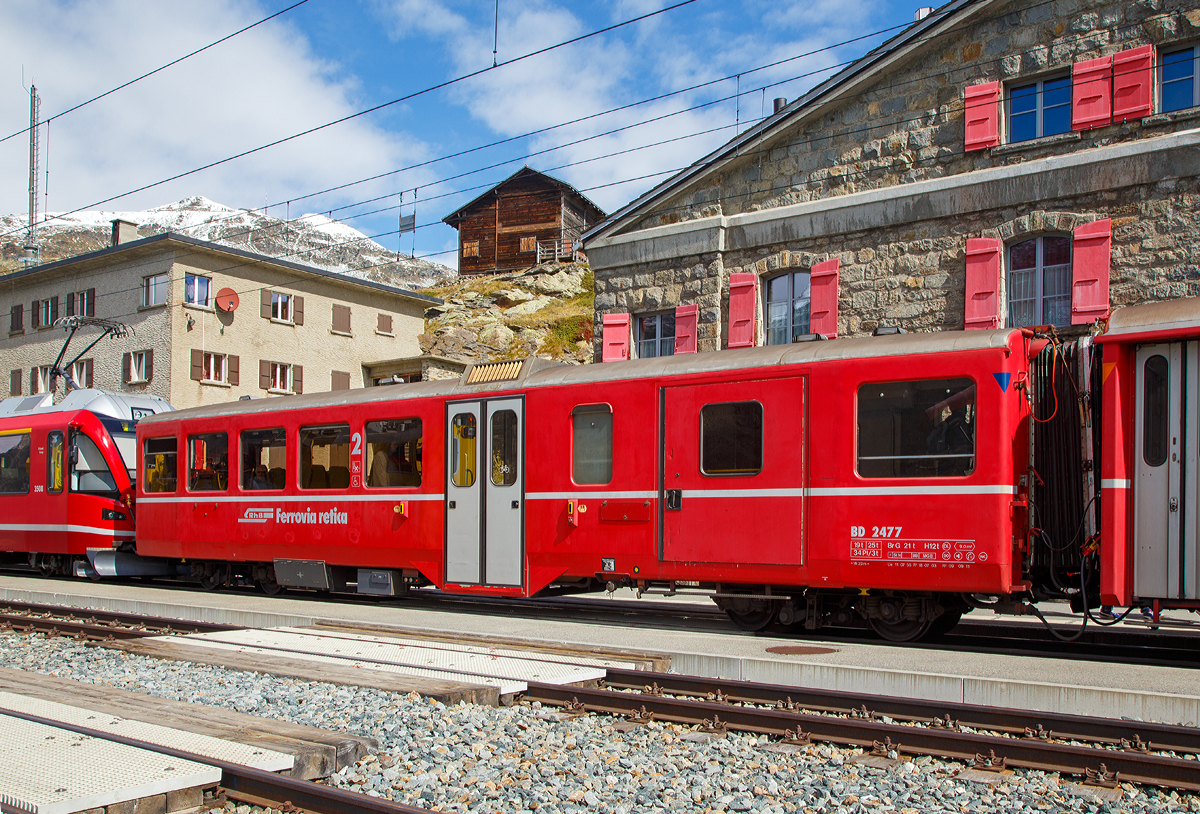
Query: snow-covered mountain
x=310, y=239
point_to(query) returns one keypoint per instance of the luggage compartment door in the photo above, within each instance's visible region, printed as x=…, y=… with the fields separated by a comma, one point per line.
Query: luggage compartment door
x=733, y=472
x=1166, y=483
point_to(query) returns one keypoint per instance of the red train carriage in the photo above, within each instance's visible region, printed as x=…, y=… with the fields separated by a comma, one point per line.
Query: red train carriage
x=66, y=475
x=879, y=477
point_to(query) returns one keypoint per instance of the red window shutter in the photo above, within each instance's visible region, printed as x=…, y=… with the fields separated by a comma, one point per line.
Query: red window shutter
x=823, y=299
x=982, y=310
x=742, y=288
x=615, y=338
x=1133, y=83
x=687, y=320
x=1091, y=264
x=1091, y=93
x=982, y=115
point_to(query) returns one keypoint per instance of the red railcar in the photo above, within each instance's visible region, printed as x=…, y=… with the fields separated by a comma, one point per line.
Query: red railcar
x=66, y=475
x=878, y=477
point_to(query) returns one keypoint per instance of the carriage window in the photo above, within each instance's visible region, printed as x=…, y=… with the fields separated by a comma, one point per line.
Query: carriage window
x=14, y=463
x=89, y=471
x=921, y=429
x=125, y=438
x=55, y=462
x=504, y=448
x=591, y=443
x=731, y=438
x=264, y=459
x=325, y=457
x=1154, y=411
x=160, y=464
x=208, y=462
x=394, y=449
x=462, y=450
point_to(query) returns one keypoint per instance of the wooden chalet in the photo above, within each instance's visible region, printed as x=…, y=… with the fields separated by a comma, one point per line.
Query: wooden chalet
x=526, y=219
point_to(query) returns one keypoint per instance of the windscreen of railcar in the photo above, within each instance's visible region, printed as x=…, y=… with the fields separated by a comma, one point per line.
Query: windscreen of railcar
x=125, y=438
x=916, y=429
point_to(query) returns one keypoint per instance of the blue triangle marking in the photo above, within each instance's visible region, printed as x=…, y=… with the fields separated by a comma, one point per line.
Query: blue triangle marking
x=1002, y=380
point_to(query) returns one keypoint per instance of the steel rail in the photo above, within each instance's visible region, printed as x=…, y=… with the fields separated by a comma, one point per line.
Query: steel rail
x=112, y=617
x=1030, y=753
x=1157, y=736
x=66, y=627
x=301, y=793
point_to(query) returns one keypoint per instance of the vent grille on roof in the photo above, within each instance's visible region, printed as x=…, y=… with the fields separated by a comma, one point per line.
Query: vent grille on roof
x=494, y=372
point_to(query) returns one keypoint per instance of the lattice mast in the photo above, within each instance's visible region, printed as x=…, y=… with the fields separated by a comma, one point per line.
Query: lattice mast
x=32, y=250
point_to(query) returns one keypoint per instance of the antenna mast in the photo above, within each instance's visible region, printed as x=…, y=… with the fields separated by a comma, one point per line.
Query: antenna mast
x=32, y=250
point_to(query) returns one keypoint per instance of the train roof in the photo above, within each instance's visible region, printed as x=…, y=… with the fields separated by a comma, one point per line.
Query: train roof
x=1154, y=320
x=101, y=402
x=522, y=374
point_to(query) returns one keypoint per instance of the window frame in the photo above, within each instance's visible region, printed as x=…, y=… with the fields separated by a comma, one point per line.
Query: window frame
x=1039, y=270
x=206, y=369
x=81, y=370
x=378, y=468
x=21, y=478
x=276, y=385
x=247, y=473
x=137, y=372
x=597, y=408
x=45, y=314
x=155, y=284
x=1194, y=47
x=191, y=287
x=972, y=386
x=83, y=302
x=792, y=333
x=1039, y=108
x=304, y=437
x=657, y=316
x=470, y=248
x=170, y=470
x=41, y=379
x=762, y=444
x=56, y=453
x=217, y=485
x=281, y=307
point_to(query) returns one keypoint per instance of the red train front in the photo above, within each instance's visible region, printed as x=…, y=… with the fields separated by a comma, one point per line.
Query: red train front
x=879, y=478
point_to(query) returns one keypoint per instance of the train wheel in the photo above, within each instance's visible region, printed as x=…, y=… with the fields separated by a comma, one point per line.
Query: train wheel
x=754, y=620
x=270, y=587
x=943, y=624
x=903, y=630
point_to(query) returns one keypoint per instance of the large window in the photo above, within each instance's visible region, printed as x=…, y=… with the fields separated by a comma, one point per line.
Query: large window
x=1039, y=282
x=1041, y=108
x=788, y=301
x=281, y=377
x=154, y=290
x=90, y=473
x=462, y=450
x=394, y=449
x=39, y=380
x=1179, y=72
x=281, y=306
x=214, y=368
x=159, y=465
x=591, y=443
x=208, y=462
x=504, y=448
x=656, y=335
x=1155, y=410
x=916, y=429
x=140, y=366
x=56, y=462
x=82, y=303
x=14, y=463
x=325, y=457
x=731, y=438
x=264, y=459
x=195, y=290
x=81, y=372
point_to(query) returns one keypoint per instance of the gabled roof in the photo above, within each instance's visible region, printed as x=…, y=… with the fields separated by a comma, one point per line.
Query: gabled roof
x=148, y=245
x=458, y=214
x=832, y=90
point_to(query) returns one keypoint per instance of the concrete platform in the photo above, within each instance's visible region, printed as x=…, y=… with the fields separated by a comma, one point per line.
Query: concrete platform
x=1167, y=694
x=54, y=771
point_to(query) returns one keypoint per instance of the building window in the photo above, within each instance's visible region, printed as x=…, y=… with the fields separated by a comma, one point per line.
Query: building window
x=1180, y=69
x=154, y=290
x=281, y=376
x=17, y=319
x=195, y=290
x=39, y=380
x=341, y=319
x=141, y=365
x=214, y=368
x=470, y=248
x=281, y=306
x=529, y=244
x=45, y=316
x=82, y=303
x=1039, y=281
x=656, y=335
x=384, y=325
x=81, y=373
x=1041, y=108
x=788, y=304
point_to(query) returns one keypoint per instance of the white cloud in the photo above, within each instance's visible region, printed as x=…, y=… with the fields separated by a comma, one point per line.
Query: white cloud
x=260, y=86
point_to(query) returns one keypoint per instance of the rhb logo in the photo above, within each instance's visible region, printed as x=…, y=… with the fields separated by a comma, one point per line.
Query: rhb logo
x=256, y=515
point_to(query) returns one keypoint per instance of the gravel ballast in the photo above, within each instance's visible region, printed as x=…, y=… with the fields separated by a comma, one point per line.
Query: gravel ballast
x=525, y=758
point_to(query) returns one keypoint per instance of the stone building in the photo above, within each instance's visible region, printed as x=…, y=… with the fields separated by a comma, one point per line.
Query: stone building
x=999, y=162
x=209, y=323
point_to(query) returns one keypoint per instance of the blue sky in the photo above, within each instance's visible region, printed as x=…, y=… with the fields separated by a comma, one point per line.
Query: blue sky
x=331, y=58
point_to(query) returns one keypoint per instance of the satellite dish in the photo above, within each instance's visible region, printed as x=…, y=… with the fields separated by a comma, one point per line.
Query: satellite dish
x=227, y=300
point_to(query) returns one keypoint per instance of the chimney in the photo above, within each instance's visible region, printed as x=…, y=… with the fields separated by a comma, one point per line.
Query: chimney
x=922, y=13
x=123, y=231
x=780, y=104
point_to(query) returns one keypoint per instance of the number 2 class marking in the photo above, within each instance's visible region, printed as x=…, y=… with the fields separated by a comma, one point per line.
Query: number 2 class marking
x=356, y=439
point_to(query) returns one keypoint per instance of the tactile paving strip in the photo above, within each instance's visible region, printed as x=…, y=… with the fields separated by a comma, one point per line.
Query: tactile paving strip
x=53, y=771
x=231, y=751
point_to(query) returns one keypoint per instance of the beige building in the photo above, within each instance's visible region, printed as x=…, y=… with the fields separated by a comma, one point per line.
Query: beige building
x=208, y=323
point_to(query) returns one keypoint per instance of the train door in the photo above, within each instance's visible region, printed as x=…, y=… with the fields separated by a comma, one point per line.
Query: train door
x=485, y=492
x=733, y=470
x=1166, y=476
x=56, y=483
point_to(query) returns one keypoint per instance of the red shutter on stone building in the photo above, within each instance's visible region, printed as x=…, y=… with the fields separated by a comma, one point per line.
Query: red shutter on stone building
x=982, y=310
x=823, y=299
x=1091, y=93
x=1133, y=83
x=615, y=338
x=1091, y=264
x=742, y=308
x=687, y=321
x=982, y=116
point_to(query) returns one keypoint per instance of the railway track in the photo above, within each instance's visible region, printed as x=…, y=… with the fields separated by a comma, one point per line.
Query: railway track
x=93, y=625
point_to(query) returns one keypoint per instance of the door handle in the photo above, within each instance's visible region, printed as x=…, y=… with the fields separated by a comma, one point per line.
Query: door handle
x=1174, y=504
x=674, y=500
x=450, y=505
x=516, y=504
